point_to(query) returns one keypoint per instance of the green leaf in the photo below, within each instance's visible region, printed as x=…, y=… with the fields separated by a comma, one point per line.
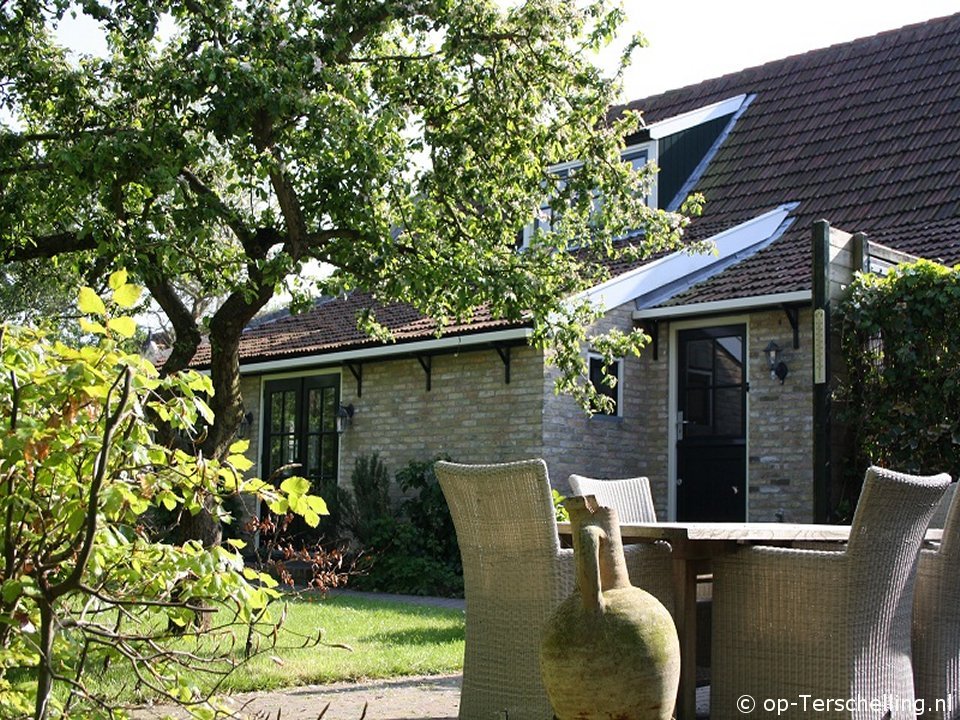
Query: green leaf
x=90, y=303
x=317, y=504
x=11, y=590
x=117, y=279
x=126, y=296
x=240, y=462
x=123, y=326
x=94, y=328
x=295, y=485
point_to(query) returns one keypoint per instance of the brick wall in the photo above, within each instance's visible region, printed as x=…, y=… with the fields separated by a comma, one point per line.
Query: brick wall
x=602, y=446
x=470, y=413
x=781, y=421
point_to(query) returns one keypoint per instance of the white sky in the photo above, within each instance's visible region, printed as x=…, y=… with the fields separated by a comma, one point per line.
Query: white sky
x=699, y=39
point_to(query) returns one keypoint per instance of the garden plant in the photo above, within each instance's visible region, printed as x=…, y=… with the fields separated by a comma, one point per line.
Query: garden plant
x=83, y=584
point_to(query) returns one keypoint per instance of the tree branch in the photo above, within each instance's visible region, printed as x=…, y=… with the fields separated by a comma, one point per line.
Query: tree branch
x=229, y=215
x=86, y=549
x=49, y=246
x=187, y=335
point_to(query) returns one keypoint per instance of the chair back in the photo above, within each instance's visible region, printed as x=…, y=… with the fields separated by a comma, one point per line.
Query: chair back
x=506, y=508
x=630, y=497
x=893, y=512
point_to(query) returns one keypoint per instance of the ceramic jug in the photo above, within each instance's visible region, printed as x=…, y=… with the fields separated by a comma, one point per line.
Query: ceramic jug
x=610, y=651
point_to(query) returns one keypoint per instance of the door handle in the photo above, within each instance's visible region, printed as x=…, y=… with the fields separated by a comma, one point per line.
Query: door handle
x=679, y=481
x=680, y=423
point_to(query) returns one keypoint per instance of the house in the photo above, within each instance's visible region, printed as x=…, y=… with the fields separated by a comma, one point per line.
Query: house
x=728, y=412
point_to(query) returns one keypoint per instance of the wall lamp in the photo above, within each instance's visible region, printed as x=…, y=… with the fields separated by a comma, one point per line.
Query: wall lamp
x=344, y=418
x=778, y=368
x=243, y=429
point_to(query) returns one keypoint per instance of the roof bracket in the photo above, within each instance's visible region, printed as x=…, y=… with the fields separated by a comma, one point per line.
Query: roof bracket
x=504, y=352
x=426, y=362
x=793, y=315
x=356, y=369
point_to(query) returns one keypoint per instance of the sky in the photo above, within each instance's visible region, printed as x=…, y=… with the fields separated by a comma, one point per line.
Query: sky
x=701, y=39
x=695, y=40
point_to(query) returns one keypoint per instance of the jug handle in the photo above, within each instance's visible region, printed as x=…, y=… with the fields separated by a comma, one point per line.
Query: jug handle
x=588, y=568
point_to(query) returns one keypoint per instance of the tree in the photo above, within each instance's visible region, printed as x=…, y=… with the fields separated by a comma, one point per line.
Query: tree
x=402, y=143
x=81, y=582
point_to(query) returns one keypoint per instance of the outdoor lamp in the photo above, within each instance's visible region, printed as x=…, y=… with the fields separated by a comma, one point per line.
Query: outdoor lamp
x=243, y=429
x=778, y=368
x=344, y=417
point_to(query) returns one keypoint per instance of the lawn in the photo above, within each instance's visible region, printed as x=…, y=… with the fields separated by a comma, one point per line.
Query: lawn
x=386, y=639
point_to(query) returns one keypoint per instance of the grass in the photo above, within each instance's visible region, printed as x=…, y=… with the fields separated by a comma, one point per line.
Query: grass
x=386, y=639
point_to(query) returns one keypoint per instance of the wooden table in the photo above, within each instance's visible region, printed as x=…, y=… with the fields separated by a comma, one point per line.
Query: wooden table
x=694, y=547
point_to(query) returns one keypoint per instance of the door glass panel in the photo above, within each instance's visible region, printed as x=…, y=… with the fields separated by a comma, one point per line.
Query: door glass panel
x=729, y=361
x=315, y=411
x=728, y=417
x=700, y=355
x=289, y=412
x=329, y=461
x=329, y=410
x=313, y=456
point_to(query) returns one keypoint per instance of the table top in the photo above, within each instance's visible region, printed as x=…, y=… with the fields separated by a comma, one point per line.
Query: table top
x=748, y=532
x=735, y=532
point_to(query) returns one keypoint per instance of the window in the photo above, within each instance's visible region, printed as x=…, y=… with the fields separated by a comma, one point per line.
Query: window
x=598, y=381
x=636, y=155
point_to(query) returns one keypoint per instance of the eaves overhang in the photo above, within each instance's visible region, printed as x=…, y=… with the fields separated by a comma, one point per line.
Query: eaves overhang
x=724, y=307
x=391, y=351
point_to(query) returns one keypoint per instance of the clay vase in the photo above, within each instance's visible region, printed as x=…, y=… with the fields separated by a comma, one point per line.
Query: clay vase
x=610, y=651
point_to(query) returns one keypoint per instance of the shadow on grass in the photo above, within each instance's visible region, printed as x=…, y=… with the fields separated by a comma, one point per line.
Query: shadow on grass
x=419, y=636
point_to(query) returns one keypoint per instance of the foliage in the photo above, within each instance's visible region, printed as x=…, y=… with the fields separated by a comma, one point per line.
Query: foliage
x=403, y=144
x=411, y=549
x=81, y=584
x=900, y=337
x=371, y=493
x=558, y=506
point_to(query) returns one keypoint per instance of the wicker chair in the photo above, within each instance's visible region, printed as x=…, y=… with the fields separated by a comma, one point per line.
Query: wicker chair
x=826, y=624
x=649, y=564
x=515, y=574
x=936, y=619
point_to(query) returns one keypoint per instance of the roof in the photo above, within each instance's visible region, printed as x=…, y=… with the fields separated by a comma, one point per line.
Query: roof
x=331, y=326
x=864, y=134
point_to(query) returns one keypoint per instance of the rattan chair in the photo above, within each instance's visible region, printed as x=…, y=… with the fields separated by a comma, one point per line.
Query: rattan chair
x=936, y=618
x=649, y=565
x=515, y=575
x=834, y=625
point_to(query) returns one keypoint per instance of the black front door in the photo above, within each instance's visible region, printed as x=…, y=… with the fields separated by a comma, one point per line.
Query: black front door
x=300, y=430
x=712, y=424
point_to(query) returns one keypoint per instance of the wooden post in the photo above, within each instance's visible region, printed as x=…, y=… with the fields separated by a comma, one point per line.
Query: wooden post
x=822, y=466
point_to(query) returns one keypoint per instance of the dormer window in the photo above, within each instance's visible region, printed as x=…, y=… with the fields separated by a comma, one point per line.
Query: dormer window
x=681, y=146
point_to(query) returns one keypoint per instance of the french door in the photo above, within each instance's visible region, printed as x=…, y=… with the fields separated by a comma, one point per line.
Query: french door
x=300, y=429
x=711, y=423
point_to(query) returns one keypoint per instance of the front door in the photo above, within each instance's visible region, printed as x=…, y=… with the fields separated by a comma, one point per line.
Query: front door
x=711, y=418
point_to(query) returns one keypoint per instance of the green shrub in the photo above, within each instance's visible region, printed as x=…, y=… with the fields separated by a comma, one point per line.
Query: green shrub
x=411, y=549
x=900, y=337
x=371, y=494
